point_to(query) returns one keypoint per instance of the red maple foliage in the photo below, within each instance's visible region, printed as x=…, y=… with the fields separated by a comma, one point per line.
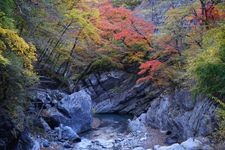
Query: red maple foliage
x=149, y=69
x=119, y=23
x=206, y=13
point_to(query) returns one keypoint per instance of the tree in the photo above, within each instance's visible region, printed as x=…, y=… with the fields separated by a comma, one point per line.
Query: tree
x=81, y=18
x=126, y=34
x=149, y=69
x=121, y=24
x=16, y=65
x=130, y=4
x=208, y=67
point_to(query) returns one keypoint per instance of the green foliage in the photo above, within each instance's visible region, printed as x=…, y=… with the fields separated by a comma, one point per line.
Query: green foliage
x=219, y=135
x=16, y=69
x=104, y=64
x=131, y=4
x=208, y=68
x=6, y=14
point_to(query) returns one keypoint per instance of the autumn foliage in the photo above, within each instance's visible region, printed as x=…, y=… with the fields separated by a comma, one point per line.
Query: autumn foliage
x=149, y=69
x=119, y=23
x=207, y=12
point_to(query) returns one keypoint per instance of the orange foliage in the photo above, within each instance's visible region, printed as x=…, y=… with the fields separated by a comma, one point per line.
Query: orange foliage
x=149, y=69
x=121, y=24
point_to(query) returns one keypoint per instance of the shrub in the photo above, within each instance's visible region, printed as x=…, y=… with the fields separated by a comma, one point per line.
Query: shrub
x=208, y=68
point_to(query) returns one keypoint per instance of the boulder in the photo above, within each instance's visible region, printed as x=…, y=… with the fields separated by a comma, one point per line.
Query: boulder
x=137, y=126
x=77, y=111
x=192, y=143
x=45, y=98
x=73, y=110
x=171, y=147
x=189, y=144
x=69, y=134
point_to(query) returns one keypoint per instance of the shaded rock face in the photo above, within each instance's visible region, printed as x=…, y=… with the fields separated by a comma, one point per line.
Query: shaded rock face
x=57, y=108
x=177, y=112
x=182, y=115
x=155, y=10
x=11, y=138
x=117, y=92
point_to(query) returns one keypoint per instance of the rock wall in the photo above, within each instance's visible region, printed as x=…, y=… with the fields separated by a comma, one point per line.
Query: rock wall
x=176, y=111
x=182, y=115
x=117, y=92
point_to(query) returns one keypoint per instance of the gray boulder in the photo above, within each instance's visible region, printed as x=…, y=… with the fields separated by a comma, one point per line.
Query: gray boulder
x=67, y=133
x=73, y=110
x=77, y=111
x=137, y=126
x=190, y=144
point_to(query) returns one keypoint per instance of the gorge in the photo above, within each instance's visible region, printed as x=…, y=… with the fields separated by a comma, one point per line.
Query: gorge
x=112, y=75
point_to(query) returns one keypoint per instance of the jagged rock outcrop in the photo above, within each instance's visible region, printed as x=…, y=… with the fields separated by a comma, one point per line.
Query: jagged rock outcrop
x=174, y=111
x=182, y=114
x=117, y=91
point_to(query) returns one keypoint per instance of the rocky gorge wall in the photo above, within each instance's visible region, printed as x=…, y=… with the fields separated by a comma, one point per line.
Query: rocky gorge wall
x=63, y=116
x=175, y=111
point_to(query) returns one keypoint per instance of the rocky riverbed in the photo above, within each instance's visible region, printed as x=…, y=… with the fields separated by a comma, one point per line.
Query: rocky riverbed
x=118, y=132
x=129, y=117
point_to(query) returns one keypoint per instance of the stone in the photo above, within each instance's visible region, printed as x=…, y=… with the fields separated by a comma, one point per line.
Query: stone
x=43, y=97
x=67, y=145
x=73, y=110
x=69, y=134
x=53, y=117
x=136, y=126
x=172, y=112
x=171, y=140
x=189, y=144
x=46, y=143
x=171, y=147
x=117, y=92
x=84, y=144
x=192, y=144
x=77, y=111
x=139, y=148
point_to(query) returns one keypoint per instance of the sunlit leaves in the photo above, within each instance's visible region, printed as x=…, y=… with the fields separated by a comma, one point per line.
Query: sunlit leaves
x=149, y=69
x=10, y=41
x=121, y=24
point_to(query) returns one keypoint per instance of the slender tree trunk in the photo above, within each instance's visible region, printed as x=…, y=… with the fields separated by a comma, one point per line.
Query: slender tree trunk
x=44, y=52
x=59, y=40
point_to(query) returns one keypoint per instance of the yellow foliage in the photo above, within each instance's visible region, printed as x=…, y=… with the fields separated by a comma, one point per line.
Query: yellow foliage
x=11, y=42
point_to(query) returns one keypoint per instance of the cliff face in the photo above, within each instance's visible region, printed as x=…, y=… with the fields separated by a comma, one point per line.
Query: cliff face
x=176, y=111
x=154, y=10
